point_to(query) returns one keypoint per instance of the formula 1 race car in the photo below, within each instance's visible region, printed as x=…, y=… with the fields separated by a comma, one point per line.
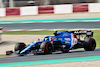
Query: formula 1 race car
x=61, y=41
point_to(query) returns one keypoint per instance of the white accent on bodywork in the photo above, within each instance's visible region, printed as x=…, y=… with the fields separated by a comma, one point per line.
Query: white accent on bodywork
x=73, y=41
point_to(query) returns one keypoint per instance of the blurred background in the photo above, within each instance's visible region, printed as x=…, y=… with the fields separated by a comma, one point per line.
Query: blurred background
x=21, y=3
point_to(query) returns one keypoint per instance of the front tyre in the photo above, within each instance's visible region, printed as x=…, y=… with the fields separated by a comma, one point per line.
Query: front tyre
x=18, y=48
x=89, y=44
x=47, y=46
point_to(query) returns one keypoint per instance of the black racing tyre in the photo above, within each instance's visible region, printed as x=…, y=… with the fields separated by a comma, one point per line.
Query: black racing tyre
x=19, y=47
x=89, y=44
x=47, y=46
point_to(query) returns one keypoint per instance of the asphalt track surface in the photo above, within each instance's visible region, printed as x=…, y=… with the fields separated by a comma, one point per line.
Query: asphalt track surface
x=53, y=25
x=58, y=55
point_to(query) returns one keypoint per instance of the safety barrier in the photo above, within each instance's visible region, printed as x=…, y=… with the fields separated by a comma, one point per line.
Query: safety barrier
x=80, y=8
x=12, y=11
x=94, y=7
x=32, y=10
x=51, y=9
x=58, y=9
x=2, y=12
x=45, y=9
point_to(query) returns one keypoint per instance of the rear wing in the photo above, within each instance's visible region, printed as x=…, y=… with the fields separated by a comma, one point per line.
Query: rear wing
x=88, y=33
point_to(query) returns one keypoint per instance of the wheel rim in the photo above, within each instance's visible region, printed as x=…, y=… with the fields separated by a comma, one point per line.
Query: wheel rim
x=49, y=48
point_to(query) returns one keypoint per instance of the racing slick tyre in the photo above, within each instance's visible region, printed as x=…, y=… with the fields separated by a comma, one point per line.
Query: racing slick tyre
x=18, y=48
x=89, y=44
x=47, y=46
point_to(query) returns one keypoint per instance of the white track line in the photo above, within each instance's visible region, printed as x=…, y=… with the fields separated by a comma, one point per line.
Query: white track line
x=50, y=29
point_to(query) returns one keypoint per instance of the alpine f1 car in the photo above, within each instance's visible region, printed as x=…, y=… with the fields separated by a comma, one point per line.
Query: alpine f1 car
x=61, y=41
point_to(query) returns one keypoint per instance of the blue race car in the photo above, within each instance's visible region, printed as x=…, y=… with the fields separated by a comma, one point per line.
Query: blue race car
x=61, y=41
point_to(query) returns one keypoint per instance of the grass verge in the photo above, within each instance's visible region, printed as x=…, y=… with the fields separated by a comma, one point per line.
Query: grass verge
x=4, y=55
x=29, y=32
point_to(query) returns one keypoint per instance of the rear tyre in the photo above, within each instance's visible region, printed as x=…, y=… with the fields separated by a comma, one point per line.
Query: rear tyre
x=89, y=44
x=18, y=48
x=47, y=46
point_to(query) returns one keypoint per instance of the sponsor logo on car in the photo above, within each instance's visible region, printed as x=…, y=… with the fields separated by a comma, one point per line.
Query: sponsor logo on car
x=67, y=39
x=65, y=34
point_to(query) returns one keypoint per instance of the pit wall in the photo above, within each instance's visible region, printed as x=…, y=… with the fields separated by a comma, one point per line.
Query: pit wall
x=50, y=9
